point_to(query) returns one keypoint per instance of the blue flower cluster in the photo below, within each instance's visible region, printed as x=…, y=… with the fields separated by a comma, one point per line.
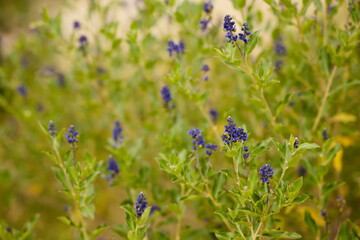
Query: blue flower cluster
x=117, y=134
x=245, y=34
x=324, y=133
x=83, y=42
x=208, y=7
x=230, y=27
x=266, y=172
x=113, y=167
x=166, y=96
x=176, y=48
x=296, y=143
x=247, y=153
x=233, y=134
x=72, y=136
x=199, y=141
x=210, y=148
x=205, y=68
x=51, y=128
x=140, y=204
x=204, y=24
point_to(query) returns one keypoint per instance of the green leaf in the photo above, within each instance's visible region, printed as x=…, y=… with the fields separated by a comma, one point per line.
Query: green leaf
x=225, y=236
x=145, y=216
x=253, y=178
x=294, y=160
x=295, y=188
x=219, y=183
x=305, y=6
x=179, y=17
x=141, y=233
x=252, y=43
x=305, y=146
x=61, y=177
x=132, y=235
x=280, y=234
x=98, y=231
x=310, y=222
x=248, y=211
x=66, y=220
x=332, y=153
x=298, y=200
x=257, y=102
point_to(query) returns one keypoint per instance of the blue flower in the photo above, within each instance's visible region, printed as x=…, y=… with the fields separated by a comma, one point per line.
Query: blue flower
x=205, y=68
x=324, y=133
x=76, y=25
x=117, y=133
x=83, y=41
x=166, y=96
x=199, y=140
x=266, y=172
x=204, y=23
x=210, y=148
x=72, y=136
x=280, y=49
x=214, y=115
x=247, y=153
x=296, y=143
x=230, y=27
x=242, y=36
x=22, y=90
x=233, y=134
x=323, y=213
x=177, y=48
x=113, y=166
x=208, y=7
x=140, y=204
x=51, y=128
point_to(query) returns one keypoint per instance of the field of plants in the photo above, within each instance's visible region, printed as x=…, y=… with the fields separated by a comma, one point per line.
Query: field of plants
x=180, y=119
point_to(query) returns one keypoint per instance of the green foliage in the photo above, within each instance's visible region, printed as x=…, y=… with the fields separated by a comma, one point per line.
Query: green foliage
x=292, y=88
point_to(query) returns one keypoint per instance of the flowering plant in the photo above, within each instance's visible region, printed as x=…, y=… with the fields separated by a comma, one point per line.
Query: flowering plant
x=185, y=121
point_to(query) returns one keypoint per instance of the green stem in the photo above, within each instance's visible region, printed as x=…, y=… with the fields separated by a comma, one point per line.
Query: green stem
x=74, y=195
x=323, y=102
x=178, y=227
x=261, y=95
